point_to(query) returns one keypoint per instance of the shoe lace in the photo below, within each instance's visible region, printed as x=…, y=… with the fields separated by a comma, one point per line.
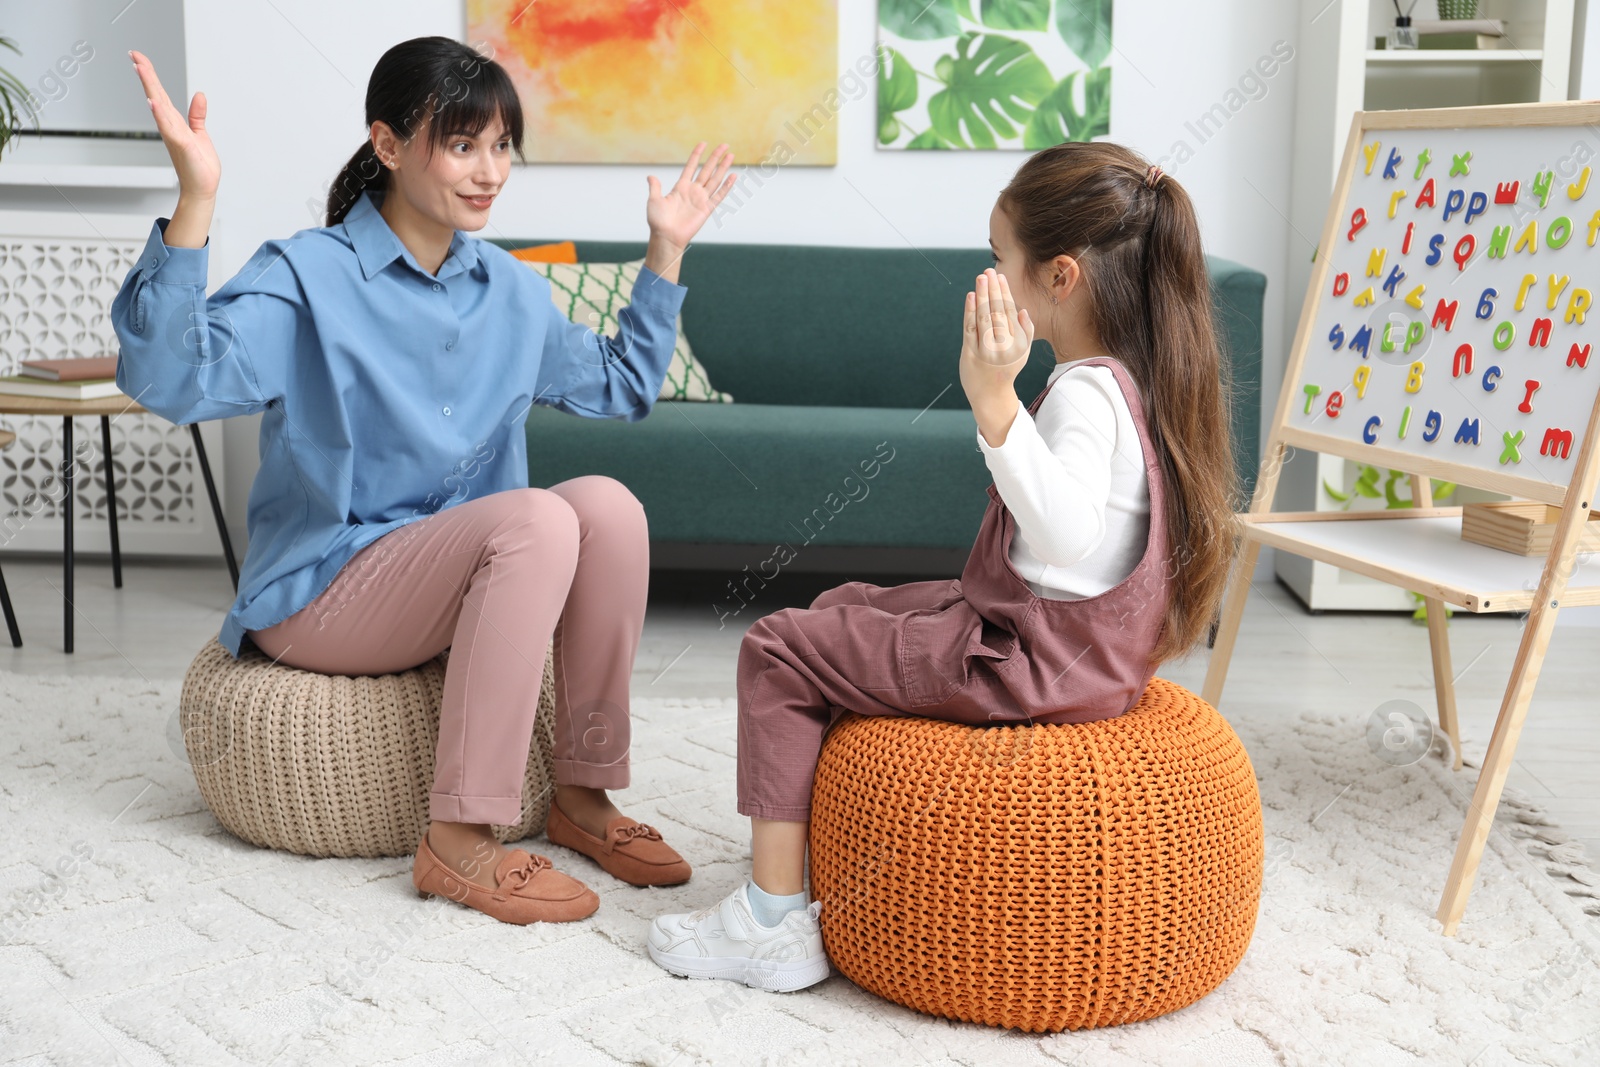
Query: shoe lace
x=517, y=877
x=638, y=829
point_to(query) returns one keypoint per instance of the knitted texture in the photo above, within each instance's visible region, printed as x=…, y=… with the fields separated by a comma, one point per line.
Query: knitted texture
x=1039, y=877
x=332, y=765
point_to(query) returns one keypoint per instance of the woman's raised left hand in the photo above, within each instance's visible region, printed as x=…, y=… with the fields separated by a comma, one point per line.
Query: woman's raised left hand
x=677, y=216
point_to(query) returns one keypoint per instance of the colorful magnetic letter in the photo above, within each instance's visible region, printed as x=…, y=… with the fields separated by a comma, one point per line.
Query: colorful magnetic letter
x=1454, y=201
x=1414, y=377
x=1577, y=306
x=1358, y=219
x=1541, y=185
x=1445, y=313
x=1526, y=407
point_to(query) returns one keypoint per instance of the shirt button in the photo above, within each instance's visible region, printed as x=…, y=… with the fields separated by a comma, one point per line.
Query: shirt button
x=437, y=287
x=449, y=345
x=447, y=410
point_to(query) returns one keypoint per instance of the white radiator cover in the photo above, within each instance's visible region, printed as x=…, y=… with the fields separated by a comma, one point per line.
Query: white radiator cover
x=59, y=272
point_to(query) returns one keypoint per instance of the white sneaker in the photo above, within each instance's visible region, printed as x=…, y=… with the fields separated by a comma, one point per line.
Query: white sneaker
x=725, y=941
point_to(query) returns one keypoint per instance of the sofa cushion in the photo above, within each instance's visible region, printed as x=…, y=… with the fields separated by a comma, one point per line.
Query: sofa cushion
x=593, y=294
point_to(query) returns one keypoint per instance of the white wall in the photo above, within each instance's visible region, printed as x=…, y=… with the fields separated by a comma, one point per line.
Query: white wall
x=285, y=84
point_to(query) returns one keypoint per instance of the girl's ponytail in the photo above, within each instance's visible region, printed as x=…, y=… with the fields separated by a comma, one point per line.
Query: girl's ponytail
x=363, y=171
x=1150, y=300
x=1190, y=417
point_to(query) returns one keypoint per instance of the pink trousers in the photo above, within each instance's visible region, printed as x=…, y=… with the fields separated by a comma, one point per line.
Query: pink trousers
x=494, y=579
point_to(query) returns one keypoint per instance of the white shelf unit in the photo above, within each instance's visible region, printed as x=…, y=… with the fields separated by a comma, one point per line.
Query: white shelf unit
x=1341, y=72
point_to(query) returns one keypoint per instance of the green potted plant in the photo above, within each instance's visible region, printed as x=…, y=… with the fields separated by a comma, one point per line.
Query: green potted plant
x=14, y=100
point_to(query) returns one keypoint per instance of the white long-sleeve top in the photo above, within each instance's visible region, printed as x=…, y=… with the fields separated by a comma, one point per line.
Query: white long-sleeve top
x=1074, y=479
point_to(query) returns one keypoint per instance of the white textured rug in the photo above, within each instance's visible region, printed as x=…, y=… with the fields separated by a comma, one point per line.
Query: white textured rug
x=136, y=931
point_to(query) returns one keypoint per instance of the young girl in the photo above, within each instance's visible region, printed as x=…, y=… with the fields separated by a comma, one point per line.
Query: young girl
x=394, y=358
x=1103, y=552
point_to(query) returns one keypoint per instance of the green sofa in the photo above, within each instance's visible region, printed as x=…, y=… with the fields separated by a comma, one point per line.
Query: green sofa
x=849, y=426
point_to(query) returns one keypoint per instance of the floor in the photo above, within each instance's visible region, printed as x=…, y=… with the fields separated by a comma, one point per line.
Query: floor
x=167, y=609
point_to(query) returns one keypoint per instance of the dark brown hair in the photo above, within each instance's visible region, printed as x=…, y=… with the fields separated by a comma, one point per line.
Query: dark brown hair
x=1150, y=302
x=435, y=82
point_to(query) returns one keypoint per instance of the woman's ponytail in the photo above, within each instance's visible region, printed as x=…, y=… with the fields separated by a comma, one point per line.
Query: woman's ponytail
x=1150, y=299
x=362, y=172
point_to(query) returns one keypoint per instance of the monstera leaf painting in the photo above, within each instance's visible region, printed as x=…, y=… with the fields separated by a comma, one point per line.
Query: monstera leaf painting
x=993, y=73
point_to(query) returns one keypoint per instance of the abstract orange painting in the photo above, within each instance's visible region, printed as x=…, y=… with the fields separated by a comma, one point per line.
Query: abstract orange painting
x=641, y=81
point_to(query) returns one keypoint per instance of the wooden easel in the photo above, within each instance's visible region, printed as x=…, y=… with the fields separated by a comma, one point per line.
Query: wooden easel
x=1420, y=548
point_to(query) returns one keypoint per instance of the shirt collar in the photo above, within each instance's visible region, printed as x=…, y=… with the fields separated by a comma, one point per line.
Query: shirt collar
x=377, y=246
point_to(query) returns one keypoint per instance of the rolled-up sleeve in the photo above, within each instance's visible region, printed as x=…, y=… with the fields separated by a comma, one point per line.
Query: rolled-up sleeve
x=189, y=358
x=584, y=372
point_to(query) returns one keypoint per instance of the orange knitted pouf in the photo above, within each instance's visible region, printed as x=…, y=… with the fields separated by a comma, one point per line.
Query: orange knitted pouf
x=1037, y=877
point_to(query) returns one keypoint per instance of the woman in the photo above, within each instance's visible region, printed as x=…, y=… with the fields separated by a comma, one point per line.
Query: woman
x=394, y=359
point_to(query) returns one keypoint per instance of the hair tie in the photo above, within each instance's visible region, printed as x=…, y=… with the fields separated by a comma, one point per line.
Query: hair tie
x=1152, y=176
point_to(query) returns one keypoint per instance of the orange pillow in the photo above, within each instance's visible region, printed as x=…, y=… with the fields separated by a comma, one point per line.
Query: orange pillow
x=558, y=252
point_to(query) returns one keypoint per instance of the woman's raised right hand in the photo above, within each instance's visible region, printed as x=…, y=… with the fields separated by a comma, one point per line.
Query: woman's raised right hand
x=193, y=155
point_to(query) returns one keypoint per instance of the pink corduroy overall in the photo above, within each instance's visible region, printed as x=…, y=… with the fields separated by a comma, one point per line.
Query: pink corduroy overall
x=982, y=649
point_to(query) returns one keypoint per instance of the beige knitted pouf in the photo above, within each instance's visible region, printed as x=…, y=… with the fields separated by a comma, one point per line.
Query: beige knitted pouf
x=332, y=765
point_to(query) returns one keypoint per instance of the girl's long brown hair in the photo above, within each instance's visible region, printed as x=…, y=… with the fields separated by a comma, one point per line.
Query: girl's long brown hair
x=1150, y=301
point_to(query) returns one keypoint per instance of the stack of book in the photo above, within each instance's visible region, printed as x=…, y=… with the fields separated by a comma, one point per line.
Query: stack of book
x=85, y=378
x=1460, y=33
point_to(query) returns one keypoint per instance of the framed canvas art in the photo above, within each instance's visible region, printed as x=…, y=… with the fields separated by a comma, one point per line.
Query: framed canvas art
x=641, y=81
x=993, y=73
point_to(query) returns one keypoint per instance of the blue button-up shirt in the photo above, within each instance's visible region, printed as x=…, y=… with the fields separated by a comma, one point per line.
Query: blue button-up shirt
x=387, y=393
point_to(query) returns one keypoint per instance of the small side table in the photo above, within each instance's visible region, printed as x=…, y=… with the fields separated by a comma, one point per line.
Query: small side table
x=105, y=407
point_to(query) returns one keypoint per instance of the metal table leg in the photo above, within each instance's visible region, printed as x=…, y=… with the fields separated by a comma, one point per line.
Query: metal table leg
x=111, y=501
x=11, y=616
x=68, y=506
x=216, y=505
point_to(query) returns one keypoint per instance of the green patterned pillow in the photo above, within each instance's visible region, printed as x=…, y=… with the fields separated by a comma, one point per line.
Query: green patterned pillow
x=591, y=294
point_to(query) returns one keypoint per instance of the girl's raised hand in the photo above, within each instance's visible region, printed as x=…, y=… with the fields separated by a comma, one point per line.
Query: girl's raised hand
x=996, y=333
x=995, y=342
x=193, y=155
